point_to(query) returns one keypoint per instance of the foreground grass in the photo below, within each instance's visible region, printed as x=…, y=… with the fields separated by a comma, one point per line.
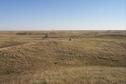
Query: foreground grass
x=74, y=75
x=85, y=75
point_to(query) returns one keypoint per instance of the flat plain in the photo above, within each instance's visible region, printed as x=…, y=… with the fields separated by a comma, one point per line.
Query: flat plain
x=63, y=57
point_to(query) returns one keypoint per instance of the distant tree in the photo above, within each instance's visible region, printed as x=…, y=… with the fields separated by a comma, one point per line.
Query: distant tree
x=21, y=33
x=46, y=35
x=70, y=38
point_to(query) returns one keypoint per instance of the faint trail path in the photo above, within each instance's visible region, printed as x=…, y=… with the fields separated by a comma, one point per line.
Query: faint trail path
x=17, y=45
x=26, y=44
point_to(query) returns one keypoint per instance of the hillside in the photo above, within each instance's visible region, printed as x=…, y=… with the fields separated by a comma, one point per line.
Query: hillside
x=63, y=57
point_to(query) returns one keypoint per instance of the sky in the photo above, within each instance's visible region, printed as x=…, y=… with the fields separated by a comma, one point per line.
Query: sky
x=62, y=14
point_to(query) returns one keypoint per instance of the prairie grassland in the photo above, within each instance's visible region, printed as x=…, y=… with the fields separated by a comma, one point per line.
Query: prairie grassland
x=63, y=57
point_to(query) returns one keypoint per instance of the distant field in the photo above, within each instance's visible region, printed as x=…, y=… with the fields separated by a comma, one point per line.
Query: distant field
x=63, y=57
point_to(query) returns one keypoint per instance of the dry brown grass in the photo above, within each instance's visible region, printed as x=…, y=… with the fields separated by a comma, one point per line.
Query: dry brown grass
x=88, y=58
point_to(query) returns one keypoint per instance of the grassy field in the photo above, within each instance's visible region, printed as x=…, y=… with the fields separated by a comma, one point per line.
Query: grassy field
x=63, y=57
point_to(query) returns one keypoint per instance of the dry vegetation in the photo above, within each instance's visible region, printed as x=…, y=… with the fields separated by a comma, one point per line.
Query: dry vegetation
x=63, y=57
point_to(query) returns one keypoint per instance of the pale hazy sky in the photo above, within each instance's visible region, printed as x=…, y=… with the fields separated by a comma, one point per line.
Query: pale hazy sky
x=62, y=14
